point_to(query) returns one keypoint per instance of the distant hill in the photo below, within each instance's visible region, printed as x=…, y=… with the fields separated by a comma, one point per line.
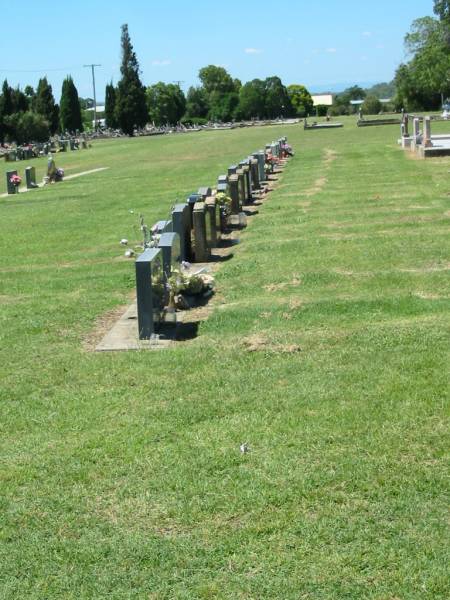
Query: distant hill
x=382, y=90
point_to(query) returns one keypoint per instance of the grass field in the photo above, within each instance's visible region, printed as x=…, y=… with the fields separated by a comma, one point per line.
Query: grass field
x=327, y=351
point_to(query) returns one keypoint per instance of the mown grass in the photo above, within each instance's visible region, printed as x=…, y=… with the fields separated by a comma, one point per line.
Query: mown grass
x=327, y=351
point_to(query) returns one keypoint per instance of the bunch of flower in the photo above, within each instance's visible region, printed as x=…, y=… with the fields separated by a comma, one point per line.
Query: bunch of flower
x=15, y=180
x=225, y=202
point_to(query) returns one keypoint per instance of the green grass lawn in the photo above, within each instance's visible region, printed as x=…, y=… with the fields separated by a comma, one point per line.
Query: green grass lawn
x=327, y=351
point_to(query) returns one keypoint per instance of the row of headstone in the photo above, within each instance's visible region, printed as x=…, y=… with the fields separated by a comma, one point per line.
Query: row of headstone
x=194, y=229
x=43, y=149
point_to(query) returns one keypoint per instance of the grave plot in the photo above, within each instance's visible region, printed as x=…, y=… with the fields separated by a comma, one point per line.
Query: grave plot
x=422, y=142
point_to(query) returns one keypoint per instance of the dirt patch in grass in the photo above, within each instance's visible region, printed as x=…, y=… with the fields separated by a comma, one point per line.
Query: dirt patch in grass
x=276, y=287
x=320, y=182
x=102, y=325
x=260, y=343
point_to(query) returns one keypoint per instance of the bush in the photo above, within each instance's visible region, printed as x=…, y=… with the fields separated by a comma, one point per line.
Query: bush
x=194, y=121
x=27, y=127
x=371, y=106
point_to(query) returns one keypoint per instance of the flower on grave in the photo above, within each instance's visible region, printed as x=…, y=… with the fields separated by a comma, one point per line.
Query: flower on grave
x=15, y=180
x=124, y=242
x=225, y=202
x=59, y=173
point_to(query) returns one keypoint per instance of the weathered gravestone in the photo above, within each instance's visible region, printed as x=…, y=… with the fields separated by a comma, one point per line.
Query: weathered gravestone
x=150, y=291
x=193, y=198
x=30, y=176
x=255, y=173
x=213, y=214
x=169, y=243
x=181, y=223
x=233, y=185
x=260, y=157
x=416, y=128
x=202, y=231
x=241, y=186
x=11, y=188
x=247, y=179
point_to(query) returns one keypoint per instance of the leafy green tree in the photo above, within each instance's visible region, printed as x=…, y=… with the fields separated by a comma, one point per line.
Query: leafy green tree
x=301, y=100
x=221, y=92
x=110, y=106
x=25, y=127
x=197, y=105
x=424, y=79
x=44, y=104
x=70, y=110
x=277, y=102
x=19, y=100
x=371, y=105
x=131, y=106
x=441, y=8
x=251, y=100
x=166, y=103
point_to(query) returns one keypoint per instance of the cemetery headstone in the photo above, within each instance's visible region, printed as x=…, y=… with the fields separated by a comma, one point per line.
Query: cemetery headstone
x=149, y=291
x=169, y=243
x=241, y=186
x=161, y=227
x=416, y=127
x=193, y=198
x=201, y=249
x=213, y=214
x=233, y=185
x=11, y=188
x=222, y=188
x=181, y=220
x=222, y=179
x=204, y=192
x=255, y=173
x=232, y=170
x=30, y=176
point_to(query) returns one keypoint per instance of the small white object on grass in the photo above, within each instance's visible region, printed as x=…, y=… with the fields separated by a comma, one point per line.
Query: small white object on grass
x=124, y=242
x=129, y=253
x=244, y=447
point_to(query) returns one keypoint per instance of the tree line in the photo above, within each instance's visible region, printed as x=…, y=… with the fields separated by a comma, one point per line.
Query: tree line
x=33, y=115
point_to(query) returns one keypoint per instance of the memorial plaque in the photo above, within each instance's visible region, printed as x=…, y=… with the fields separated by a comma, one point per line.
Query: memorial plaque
x=30, y=176
x=181, y=221
x=11, y=188
x=169, y=243
x=150, y=291
x=201, y=223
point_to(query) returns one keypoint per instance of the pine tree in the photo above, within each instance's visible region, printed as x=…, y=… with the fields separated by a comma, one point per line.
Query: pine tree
x=70, y=111
x=6, y=109
x=44, y=104
x=110, y=106
x=131, y=107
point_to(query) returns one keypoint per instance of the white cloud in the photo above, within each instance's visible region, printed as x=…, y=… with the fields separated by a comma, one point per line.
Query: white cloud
x=252, y=51
x=331, y=50
x=161, y=63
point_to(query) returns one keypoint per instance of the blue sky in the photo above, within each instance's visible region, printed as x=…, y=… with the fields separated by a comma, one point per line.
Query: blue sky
x=324, y=44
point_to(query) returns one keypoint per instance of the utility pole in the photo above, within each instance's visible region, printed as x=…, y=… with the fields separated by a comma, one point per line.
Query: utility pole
x=95, y=99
